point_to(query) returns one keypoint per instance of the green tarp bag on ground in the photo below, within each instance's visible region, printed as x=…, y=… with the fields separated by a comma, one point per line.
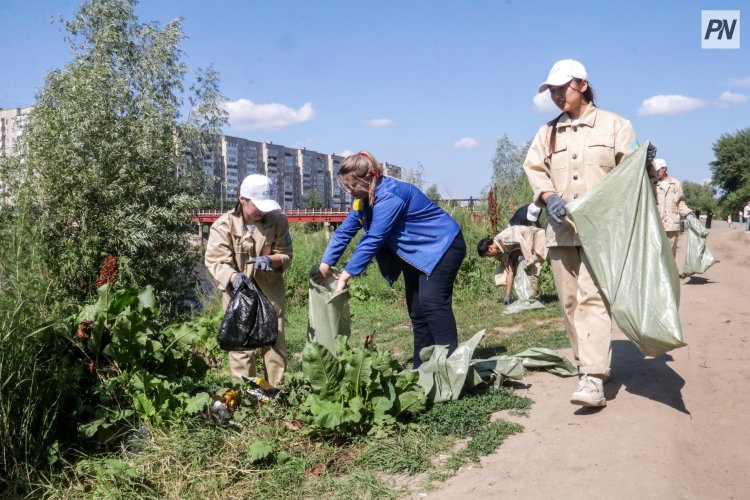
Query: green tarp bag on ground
x=446, y=378
x=328, y=313
x=697, y=257
x=630, y=256
x=524, y=291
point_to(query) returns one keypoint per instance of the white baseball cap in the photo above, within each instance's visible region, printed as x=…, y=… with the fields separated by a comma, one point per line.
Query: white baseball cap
x=562, y=72
x=532, y=212
x=261, y=191
x=659, y=163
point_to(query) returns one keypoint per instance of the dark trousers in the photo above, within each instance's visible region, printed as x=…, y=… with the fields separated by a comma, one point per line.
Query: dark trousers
x=430, y=300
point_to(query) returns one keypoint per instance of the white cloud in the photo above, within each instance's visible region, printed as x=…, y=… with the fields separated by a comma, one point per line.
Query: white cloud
x=740, y=82
x=728, y=97
x=346, y=153
x=379, y=122
x=247, y=115
x=669, y=105
x=543, y=103
x=465, y=143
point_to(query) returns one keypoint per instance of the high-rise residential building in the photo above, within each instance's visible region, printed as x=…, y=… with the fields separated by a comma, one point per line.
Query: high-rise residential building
x=11, y=128
x=300, y=174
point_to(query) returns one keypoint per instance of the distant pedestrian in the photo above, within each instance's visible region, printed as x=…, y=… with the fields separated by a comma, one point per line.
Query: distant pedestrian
x=729, y=221
x=746, y=215
x=709, y=218
x=670, y=202
x=739, y=217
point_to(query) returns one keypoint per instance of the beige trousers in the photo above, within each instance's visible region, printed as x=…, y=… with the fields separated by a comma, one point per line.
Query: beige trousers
x=672, y=237
x=587, y=317
x=274, y=358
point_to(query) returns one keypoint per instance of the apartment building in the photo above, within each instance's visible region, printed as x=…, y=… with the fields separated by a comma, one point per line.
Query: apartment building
x=301, y=175
x=11, y=127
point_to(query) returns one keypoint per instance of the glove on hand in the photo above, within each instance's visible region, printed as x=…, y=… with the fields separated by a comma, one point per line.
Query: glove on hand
x=237, y=281
x=263, y=263
x=556, y=208
x=520, y=258
x=650, y=152
x=507, y=299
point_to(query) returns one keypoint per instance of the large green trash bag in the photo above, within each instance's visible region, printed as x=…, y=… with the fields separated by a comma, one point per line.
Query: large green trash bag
x=630, y=256
x=526, y=299
x=445, y=378
x=328, y=313
x=697, y=257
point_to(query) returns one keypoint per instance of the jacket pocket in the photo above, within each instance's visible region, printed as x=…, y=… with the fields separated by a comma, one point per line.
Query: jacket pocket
x=600, y=151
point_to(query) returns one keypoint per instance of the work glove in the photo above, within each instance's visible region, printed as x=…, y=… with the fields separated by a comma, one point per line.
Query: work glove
x=556, y=208
x=237, y=281
x=262, y=263
x=650, y=152
x=520, y=258
x=507, y=299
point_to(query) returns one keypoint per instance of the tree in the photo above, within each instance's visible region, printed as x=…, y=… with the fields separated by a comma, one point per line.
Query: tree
x=107, y=163
x=414, y=175
x=699, y=196
x=313, y=199
x=511, y=186
x=731, y=168
x=433, y=193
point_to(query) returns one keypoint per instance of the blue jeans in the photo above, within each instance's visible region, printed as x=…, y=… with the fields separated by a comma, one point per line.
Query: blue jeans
x=429, y=300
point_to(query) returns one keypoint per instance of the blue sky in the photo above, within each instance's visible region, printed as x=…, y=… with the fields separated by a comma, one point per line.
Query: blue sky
x=435, y=83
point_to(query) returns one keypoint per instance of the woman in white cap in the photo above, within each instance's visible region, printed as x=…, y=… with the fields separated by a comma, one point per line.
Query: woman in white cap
x=568, y=156
x=253, y=240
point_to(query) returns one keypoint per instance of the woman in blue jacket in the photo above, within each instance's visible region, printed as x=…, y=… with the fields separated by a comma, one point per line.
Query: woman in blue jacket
x=405, y=232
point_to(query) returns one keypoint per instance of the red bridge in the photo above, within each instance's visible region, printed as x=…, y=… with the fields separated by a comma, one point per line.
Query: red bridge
x=293, y=214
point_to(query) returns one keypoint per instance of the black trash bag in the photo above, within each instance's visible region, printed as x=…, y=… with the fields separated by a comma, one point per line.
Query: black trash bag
x=250, y=320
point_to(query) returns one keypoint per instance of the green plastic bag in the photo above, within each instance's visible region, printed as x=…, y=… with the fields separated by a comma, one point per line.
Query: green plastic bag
x=697, y=257
x=328, y=313
x=526, y=299
x=630, y=256
x=445, y=378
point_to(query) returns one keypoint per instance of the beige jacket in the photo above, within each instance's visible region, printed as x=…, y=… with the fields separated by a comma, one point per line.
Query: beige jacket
x=584, y=153
x=230, y=247
x=529, y=240
x=670, y=202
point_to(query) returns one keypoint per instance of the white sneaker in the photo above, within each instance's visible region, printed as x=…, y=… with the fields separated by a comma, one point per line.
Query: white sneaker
x=590, y=392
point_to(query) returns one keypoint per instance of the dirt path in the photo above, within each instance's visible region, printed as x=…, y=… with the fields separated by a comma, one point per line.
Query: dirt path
x=676, y=426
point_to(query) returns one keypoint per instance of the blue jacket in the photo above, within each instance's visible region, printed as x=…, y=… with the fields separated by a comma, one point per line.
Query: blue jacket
x=403, y=222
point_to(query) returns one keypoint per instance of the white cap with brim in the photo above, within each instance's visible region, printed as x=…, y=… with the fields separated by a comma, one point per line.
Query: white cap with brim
x=532, y=212
x=659, y=163
x=562, y=72
x=261, y=191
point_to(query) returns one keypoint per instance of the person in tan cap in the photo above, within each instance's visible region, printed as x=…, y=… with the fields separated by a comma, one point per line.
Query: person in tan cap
x=670, y=202
x=253, y=240
x=568, y=156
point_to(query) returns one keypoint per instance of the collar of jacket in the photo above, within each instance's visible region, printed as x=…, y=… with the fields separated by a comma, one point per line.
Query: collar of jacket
x=588, y=118
x=238, y=223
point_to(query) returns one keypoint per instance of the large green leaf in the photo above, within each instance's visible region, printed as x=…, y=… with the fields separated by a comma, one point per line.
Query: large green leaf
x=326, y=414
x=260, y=450
x=358, y=370
x=322, y=369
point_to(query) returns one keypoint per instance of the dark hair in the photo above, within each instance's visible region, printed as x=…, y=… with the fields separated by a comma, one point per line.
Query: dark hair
x=483, y=246
x=588, y=95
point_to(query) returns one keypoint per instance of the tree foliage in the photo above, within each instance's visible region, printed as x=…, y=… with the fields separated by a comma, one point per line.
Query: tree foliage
x=433, y=193
x=511, y=185
x=699, y=196
x=105, y=160
x=731, y=168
